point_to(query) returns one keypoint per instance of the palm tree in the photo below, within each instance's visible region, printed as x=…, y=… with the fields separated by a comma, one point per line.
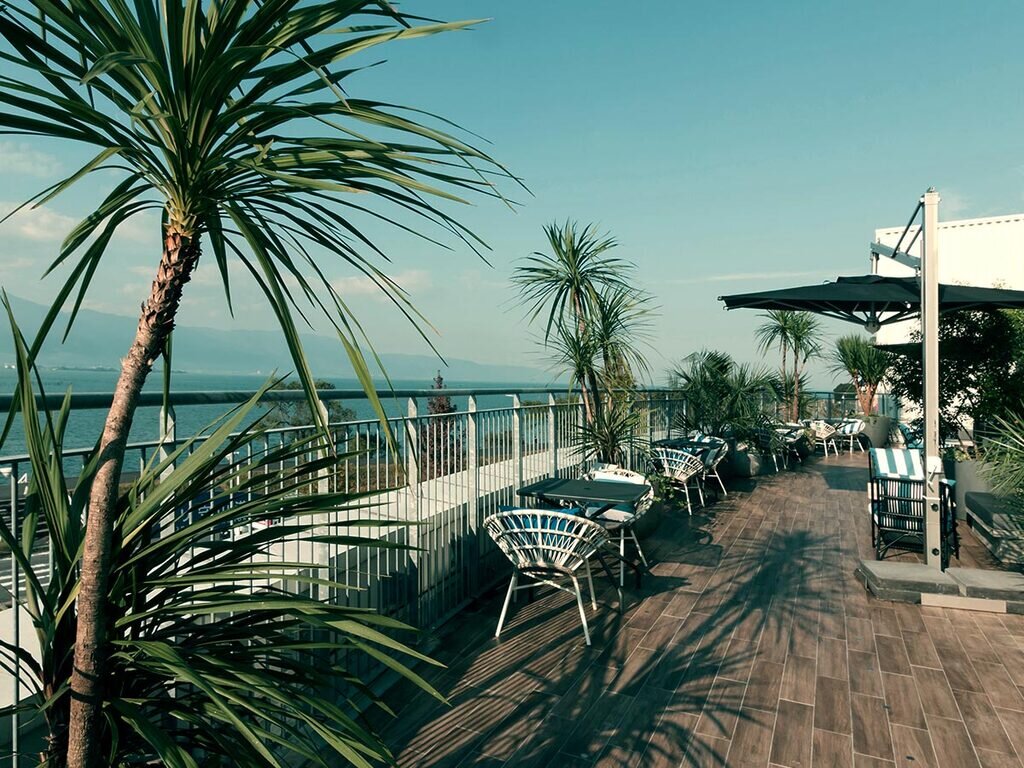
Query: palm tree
x=777, y=331
x=567, y=283
x=865, y=364
x=805, y=340
x=229, y=118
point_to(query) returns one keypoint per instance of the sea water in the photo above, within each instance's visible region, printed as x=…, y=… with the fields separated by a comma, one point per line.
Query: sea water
x=84, y=426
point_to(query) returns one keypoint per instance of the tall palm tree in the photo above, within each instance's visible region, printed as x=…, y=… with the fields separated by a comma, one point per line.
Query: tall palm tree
x=805, y=340
x=567, y=283
x=777, y=331
x=231, y=119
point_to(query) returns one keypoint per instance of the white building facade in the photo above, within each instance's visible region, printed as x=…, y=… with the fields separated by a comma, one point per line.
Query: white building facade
x=986, y=252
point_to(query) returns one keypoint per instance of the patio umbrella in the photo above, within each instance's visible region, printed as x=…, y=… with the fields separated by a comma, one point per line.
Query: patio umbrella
x=874, y=300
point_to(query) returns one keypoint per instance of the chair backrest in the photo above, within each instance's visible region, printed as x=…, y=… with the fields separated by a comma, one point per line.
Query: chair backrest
x=619, y=475
x=851, y=427
x=545, y=539
x=677, y=465
x=822, y=429
x=897, y=463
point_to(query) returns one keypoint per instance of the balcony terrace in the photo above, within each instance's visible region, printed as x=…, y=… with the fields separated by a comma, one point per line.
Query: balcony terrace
x=751, y=643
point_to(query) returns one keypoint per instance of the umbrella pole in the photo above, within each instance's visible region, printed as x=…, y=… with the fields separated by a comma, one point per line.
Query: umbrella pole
x=930, y=362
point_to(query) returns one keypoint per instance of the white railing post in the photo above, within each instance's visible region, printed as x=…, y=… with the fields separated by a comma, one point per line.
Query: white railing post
x=553, y=433
x=167, y=430
x=473, y=491
x=323, y=485
x=413, y=491
x=517, y=441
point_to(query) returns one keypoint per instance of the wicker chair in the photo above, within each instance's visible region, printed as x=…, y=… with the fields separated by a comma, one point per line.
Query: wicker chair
x=624, y=517
x=547, y=546
x=680, y=468
x=896, y=503
x=825, y=435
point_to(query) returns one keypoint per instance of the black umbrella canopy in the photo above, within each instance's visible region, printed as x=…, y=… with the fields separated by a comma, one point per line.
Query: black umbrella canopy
x=874, y=300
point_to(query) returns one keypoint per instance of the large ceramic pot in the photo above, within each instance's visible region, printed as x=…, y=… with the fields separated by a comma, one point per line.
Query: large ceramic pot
x=876, y=430
x=744, y=460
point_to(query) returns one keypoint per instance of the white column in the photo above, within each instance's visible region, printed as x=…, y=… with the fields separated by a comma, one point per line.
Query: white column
x=553, y=433
x=473, y=492
x=930, y=362
x=517, y=440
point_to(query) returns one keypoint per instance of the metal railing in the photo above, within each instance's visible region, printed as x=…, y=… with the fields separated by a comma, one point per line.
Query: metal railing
x=444, y=472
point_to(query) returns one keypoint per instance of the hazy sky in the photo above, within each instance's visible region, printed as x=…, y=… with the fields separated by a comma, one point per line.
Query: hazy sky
x=727, y=146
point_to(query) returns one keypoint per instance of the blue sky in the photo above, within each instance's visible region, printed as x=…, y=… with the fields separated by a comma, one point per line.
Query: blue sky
x=727, y=146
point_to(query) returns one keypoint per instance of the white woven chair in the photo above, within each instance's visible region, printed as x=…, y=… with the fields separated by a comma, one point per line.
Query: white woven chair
x=712, y=459
x=680, y=468
x=622, y=517
x=851, y=430
x=825, y=435
x=546, y=545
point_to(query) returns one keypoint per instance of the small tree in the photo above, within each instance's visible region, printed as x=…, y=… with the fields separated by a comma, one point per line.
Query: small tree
x=297, y=413
x=440, y=440
x=865, y=364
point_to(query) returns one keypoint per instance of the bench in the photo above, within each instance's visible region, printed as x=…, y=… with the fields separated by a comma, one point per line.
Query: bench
x=998, y=525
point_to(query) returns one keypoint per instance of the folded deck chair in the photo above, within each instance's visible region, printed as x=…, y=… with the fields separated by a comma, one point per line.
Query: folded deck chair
x=896, y=502
x=549, y=547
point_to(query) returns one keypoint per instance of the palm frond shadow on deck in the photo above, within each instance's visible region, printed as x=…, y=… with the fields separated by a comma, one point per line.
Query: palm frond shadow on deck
x=666, y=679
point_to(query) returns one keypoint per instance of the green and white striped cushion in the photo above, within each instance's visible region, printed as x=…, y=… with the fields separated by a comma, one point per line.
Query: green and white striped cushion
x=897, y=463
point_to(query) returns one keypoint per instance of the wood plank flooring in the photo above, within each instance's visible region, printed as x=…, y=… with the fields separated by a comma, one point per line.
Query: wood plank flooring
x=751, y=644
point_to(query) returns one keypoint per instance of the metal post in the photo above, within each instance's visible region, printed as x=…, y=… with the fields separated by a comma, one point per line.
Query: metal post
x=168, y=435
x=930, y=358
x=412, y=478
x=323, y=549
x=473, y=492
x=16, y=607
x=517, y=439
x=553, y=434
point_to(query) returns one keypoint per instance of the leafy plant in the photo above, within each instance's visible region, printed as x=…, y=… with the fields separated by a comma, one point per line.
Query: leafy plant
x=224, y=650
x=865, y=364
x=1004, y=458
x=614, y=436
x=981, y=379
x=722, y=397
x=233, y=120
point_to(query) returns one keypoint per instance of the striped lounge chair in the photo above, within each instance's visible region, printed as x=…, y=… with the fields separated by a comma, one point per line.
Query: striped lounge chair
x=896, y=499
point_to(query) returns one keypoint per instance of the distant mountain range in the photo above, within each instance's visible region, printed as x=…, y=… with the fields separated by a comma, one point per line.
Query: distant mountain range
x=99, y=340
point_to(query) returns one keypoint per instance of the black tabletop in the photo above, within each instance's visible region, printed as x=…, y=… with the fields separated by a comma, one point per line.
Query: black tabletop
x=598, y=491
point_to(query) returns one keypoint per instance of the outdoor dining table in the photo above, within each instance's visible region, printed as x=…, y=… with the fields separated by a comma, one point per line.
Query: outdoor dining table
x=592, y=497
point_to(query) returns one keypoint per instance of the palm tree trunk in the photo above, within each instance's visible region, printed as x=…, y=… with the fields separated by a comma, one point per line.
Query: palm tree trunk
x=180, y=255
x=784, y=371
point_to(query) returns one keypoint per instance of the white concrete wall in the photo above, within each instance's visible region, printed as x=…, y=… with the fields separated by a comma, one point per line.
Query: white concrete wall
x=985, y=252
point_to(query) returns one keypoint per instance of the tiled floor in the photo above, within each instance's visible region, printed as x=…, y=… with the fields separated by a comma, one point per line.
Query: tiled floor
x=752, y=644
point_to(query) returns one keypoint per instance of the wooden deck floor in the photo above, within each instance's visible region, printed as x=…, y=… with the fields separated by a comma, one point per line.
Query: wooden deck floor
x=751, y=645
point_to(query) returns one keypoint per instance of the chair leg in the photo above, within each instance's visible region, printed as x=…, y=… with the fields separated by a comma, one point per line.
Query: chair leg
x=718, y=477
x=583, y=614
x=639, y=549
x=590, y=583
x=700, y=492
x=508, y=598
x=622, y=557
x=686, y=490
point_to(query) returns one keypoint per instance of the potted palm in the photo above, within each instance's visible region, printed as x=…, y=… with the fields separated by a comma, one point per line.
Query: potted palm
x=726, y=399
x=867, y=366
